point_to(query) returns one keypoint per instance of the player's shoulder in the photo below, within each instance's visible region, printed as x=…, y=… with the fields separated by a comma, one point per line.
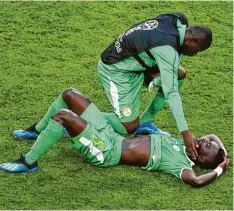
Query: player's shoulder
x=165, y=51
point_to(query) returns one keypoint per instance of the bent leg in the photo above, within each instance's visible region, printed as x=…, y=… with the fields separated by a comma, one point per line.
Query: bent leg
x=53, y=132
x=71, y=121
x=55, y=106
x=75, y=101
x=123, y=90
x=72, y=99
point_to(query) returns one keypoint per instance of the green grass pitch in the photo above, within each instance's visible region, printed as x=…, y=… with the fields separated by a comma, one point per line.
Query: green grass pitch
x=47, y=47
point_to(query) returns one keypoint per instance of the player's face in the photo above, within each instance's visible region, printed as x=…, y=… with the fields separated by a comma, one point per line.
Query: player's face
x=208, y=149
x=191, y=47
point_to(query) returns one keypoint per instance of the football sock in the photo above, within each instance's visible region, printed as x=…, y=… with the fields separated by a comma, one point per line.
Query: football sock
x=32, y=128
x=156, y=105
x=180, y=83
x=153, y=107
x=115, y=123
x=56, y=106
x=45, y=140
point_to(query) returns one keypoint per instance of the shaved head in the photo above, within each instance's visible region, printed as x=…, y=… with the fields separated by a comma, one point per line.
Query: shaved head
x=202, y=34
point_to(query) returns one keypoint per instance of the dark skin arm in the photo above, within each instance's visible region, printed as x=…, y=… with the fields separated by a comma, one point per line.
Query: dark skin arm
x=189, y=140
x=190, y=177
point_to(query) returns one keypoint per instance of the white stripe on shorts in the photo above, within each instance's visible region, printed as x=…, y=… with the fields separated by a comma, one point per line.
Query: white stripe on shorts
x=115, y=98
x=93, y=150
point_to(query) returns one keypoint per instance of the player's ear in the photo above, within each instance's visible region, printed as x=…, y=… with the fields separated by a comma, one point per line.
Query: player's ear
x=201, y=159
x=221, y=151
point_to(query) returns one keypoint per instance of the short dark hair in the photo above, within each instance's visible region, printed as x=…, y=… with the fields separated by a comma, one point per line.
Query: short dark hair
x=216, y=161
x=201, y=33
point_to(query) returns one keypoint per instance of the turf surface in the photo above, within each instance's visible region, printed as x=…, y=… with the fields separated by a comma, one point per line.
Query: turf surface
x=47, y=47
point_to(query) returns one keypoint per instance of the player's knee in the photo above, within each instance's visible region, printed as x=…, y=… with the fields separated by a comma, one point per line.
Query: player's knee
x=62, y=116
x=181, y=73
x=131, y=127
x=70, y=93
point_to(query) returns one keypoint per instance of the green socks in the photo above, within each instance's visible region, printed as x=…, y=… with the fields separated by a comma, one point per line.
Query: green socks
x=156, y=105
x=153, y=107
x=180, y=83
x=115, y=123
x=56, y=106
x=45, y=140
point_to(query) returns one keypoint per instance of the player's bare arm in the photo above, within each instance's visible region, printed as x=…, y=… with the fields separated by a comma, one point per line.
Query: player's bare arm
x=190, y=177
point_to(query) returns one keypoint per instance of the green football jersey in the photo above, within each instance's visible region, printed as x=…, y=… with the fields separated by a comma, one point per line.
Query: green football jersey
x=123, y=81
x=170, y=158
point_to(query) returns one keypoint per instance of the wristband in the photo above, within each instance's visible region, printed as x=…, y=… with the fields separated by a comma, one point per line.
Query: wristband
x=218, y=170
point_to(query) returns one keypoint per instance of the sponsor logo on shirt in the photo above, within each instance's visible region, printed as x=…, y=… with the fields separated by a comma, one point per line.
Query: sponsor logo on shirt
x=148, y=25
x=118, y=43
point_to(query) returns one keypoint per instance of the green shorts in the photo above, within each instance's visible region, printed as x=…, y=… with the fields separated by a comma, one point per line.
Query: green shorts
x=98, y=142
x=123, y=89
x=155, y=153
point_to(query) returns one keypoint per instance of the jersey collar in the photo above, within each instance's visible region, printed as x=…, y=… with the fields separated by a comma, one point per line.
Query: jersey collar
x=181, y=29
x=190, y=162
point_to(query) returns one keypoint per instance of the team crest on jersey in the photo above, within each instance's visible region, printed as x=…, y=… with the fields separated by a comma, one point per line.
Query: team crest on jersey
x=127, y=112
x=148, y=25
x=176, y=147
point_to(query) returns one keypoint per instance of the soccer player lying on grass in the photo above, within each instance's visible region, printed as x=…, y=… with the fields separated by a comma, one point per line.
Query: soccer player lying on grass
x=92, y=135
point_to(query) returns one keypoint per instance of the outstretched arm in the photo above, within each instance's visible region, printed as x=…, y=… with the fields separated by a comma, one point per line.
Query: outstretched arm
x=190, y=177
x=168, y=62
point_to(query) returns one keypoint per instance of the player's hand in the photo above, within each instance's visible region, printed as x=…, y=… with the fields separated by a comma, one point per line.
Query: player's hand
x=190, y=143
x=224, y=164
x=150, y=74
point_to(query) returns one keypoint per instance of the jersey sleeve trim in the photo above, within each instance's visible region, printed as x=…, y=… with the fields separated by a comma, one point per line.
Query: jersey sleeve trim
x=190, y=162
x=183, y=170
